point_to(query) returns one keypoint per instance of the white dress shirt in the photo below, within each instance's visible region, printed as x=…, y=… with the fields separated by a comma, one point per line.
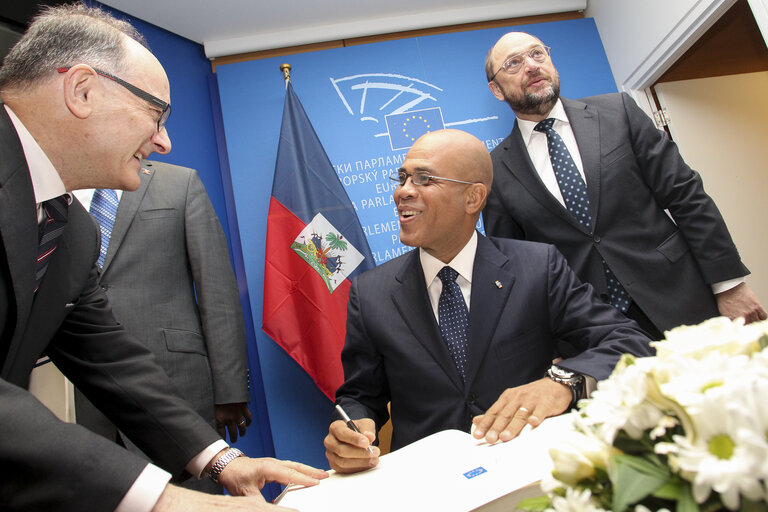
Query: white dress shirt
x=461, y=263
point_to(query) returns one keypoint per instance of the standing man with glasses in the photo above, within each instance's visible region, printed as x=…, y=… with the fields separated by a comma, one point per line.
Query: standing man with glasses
x=464, y=329
x=67, y=122
x=597, y=179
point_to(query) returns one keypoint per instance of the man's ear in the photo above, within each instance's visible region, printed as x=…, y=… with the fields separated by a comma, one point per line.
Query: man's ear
x=496, y=90
x=474, y=198
x=79, y=84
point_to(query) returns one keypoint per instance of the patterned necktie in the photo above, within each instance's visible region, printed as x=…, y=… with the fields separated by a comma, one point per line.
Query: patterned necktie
x=104, y=210
x=53, y=226
x=453, y=318
x=574, y=192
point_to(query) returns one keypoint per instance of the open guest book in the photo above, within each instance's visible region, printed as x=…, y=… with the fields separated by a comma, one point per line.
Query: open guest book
x=448, y=471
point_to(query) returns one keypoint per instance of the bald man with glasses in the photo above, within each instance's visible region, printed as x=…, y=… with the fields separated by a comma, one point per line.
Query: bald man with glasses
x=596, y=178
x=464, y=328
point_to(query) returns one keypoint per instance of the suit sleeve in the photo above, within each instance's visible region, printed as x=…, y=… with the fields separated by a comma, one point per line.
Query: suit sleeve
x=364, y=393
x=497, y=220
x=81, y=470
x=679, y=189
x=218, y=296
x=597, y=331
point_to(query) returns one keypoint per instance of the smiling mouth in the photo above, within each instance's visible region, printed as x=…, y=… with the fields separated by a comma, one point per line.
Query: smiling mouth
x=409, y=213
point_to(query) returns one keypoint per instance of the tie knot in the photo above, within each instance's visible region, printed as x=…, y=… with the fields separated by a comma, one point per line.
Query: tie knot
x=56, y=208
x=545, y=125
x=447, y=275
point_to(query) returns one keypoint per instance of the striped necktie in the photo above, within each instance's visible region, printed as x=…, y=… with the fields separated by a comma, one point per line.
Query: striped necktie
x=104, y=210
x=53, y=226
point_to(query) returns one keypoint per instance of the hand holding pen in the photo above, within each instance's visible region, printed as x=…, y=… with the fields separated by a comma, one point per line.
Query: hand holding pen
x=348, y=451
x=351, y=424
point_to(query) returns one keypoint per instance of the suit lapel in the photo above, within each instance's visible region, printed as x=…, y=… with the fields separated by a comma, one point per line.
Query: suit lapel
x=412, y=301
x=585, y=124
x=18, y=225
x=126, y=212
x=517, y=161
x=491, y=287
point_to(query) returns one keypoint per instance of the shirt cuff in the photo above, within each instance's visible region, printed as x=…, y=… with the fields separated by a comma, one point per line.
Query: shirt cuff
x=145, y=491
x=724, y=286
x=196, y=466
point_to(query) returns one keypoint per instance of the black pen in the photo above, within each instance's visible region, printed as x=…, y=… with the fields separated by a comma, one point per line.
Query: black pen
x=351, y=424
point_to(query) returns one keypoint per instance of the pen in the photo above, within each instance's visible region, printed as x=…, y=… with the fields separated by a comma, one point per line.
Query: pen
x=351, y=424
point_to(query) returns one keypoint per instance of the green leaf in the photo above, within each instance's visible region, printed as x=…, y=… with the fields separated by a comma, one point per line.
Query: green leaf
x=534, y=504
x=633, y=479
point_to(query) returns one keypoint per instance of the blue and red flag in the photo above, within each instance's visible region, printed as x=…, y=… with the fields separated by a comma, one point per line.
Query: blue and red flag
x=315, y=244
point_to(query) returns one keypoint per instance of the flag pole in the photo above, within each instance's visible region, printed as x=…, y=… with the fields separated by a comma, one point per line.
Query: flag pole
x=286, y=69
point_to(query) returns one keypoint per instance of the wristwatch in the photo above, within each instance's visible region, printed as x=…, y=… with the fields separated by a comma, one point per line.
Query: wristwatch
x=575, y=381
x=222, y=462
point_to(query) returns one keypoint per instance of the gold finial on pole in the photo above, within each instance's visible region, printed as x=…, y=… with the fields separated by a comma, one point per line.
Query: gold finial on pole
x=286, y=69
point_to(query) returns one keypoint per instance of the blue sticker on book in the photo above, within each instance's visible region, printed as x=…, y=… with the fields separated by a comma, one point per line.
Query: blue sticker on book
x=474, y=472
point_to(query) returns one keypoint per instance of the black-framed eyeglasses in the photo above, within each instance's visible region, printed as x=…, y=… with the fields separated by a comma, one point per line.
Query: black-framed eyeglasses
x=165, y=107
x=421, y=178
x=516, y=62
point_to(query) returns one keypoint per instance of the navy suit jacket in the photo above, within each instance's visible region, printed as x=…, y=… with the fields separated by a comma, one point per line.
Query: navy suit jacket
x=49, y=464
x=634, y=173
x=525, y=301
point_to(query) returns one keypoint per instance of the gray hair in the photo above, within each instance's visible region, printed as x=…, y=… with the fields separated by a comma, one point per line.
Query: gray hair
x=489, y=71
x=67, y=35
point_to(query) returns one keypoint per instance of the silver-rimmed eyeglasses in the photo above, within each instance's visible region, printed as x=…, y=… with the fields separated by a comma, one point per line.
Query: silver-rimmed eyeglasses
x=516, y=62
x=421, y=178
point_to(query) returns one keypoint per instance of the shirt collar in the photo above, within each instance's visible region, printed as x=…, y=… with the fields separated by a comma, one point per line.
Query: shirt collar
x=46, y=181
x=462, y=263
x=526, y=127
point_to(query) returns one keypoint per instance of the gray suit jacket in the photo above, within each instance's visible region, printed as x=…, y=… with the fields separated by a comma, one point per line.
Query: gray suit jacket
x=634, y=173
x=48, y=464
x=169, y=278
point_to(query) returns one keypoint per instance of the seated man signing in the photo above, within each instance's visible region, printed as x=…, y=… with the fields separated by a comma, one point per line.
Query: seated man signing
x=465, y=329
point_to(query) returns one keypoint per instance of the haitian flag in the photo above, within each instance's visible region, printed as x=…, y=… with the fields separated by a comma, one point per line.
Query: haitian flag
x=315, y=244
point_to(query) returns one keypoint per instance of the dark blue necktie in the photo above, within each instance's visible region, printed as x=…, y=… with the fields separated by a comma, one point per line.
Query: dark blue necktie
x=574, y=192
x=104, y=210
x=453, y=317
x=53, y=226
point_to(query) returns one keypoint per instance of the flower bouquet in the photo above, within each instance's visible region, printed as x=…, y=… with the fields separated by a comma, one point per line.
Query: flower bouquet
x=686, y=430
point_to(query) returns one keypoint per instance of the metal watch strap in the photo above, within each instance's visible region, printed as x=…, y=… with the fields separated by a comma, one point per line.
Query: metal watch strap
x=222, y=462
x=574, y=381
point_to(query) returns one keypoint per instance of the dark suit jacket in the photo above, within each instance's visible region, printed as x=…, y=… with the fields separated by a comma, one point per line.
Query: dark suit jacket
x=394, y=351
x=168, y=277
x=51, y=465
x=634, y=172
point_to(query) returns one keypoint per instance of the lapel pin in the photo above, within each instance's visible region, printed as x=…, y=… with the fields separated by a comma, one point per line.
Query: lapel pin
x=145, y=171
x=498, y=284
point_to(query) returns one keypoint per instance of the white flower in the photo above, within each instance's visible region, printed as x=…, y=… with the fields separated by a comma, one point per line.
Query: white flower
x=718, y=458
x=575, y=501
x=577, y=455
x=716, y=334
x=619, y=401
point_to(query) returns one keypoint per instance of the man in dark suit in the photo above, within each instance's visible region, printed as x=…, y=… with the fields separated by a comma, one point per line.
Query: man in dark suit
x=167, y=275
x=649, y=229
x=68, y=121
x=522, y=300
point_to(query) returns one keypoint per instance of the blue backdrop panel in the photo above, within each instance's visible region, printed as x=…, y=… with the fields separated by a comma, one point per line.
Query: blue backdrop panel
x=350, y=94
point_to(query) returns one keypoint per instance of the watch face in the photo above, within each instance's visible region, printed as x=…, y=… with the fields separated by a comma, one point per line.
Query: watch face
x=561, y=372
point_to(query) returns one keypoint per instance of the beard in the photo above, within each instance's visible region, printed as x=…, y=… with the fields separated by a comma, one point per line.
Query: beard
x=539, y=103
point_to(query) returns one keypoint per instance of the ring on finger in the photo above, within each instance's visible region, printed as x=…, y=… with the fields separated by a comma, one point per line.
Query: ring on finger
x=523, y=409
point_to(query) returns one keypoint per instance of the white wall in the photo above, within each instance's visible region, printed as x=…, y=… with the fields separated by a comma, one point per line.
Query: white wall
x=719, y=126
x=642, y=38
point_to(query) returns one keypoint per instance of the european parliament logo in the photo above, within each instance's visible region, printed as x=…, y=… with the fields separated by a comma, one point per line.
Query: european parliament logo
x=406, y=127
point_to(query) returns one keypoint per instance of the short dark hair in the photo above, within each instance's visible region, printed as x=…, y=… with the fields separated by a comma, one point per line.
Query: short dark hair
x=67, y=35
